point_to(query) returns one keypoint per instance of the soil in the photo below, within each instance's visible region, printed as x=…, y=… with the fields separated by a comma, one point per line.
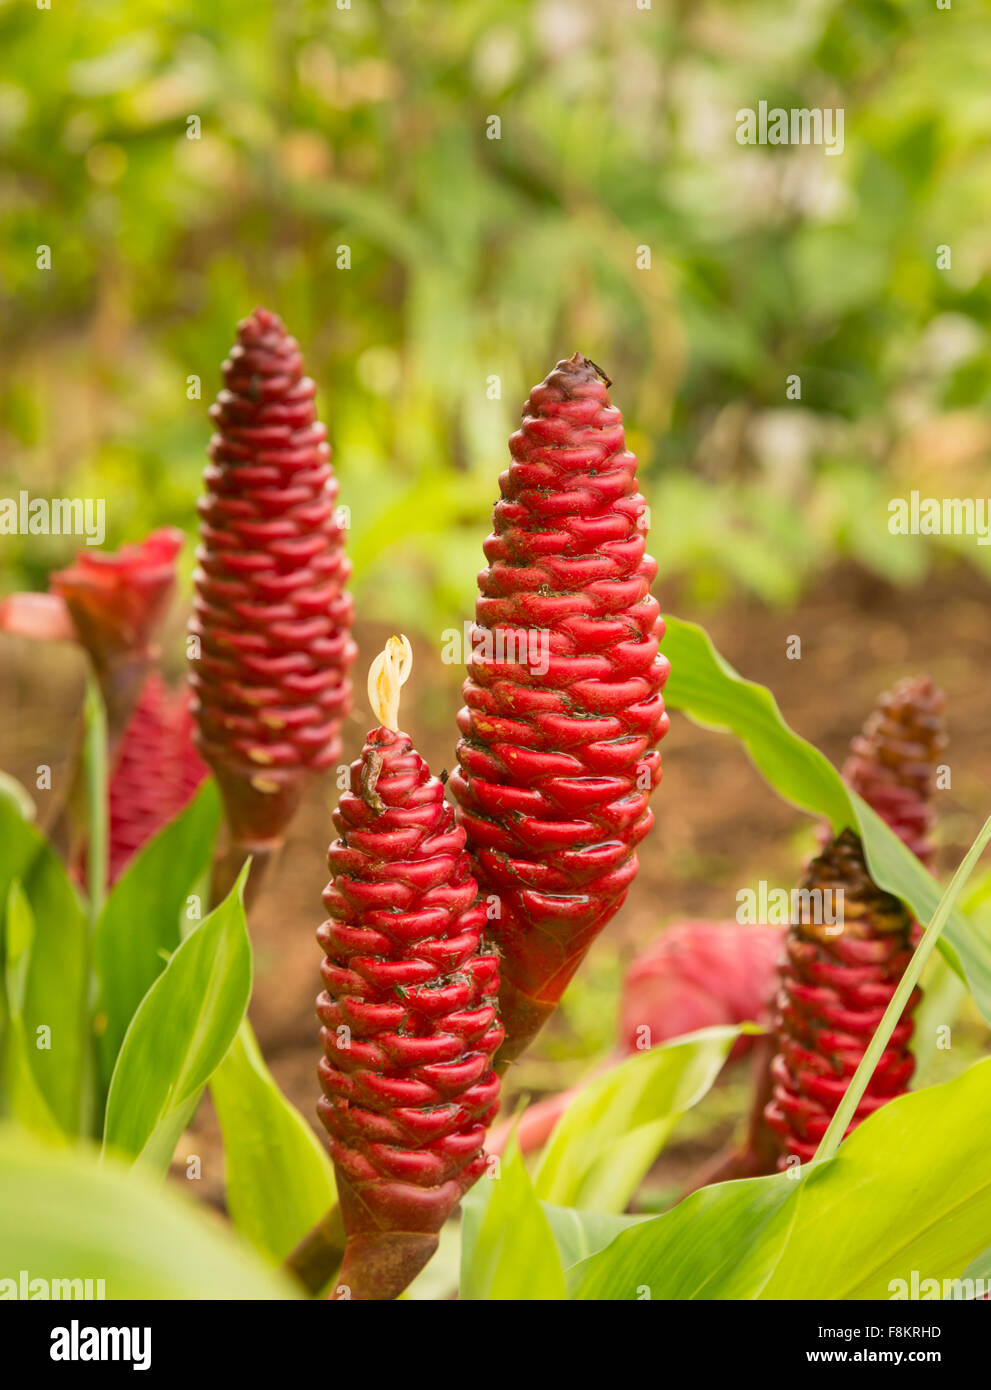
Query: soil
x=719, y=827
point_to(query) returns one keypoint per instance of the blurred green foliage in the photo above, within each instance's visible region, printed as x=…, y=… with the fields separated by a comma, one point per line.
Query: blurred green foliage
x=472, y=258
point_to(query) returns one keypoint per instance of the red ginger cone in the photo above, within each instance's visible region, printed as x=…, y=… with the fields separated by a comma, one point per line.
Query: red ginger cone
x=271, y=611
x=556, y=764
x=409, y=1019
x=836, y=982
x=157, y=771
x=891, y=765
x=892, y=762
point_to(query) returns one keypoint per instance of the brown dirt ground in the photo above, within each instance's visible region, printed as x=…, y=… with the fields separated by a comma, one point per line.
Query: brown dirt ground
x=718, y=826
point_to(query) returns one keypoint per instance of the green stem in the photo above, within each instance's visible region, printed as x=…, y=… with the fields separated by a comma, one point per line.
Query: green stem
x=853, y=1095
x=95, y=758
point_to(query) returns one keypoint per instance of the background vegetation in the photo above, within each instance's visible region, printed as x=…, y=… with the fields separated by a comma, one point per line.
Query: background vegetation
x=472, y=257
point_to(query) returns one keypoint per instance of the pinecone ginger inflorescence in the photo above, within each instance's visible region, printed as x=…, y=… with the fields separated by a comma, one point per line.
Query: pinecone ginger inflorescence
x=156, y=772
x=836, y=980
x=563, y=704
x=408, y=1011
x=272, y=615
x=893, y=761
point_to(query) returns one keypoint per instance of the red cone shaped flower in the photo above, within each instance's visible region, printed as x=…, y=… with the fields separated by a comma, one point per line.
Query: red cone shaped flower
x=563, y=704
x=892, y=763
x=408, y=1014
x=271, y=612
x=157, y=771
x=836, y=982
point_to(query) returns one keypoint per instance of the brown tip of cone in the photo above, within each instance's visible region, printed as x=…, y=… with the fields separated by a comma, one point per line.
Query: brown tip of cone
x=579, y=364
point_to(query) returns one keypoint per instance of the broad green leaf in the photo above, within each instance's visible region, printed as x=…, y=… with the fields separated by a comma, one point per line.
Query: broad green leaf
x=616, y=1126
x=579, y=1234
x=508, y=1251
x=910, y=1189
x=63, y=1213
x=180, y=1034
x=24, y=1100
x=705, y=686
x=280, y=1180
x=54, y=986
x=140, y=925
x=19, y=796
x=722, y=1242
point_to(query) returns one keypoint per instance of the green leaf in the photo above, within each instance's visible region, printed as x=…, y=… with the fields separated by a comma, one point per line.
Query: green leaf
x=615, y=1127
x=18, y=795
x=910, y=1189
x=579, y=1234
x=508, y=1251
x=63, y=1214
x=25, y=1101
x=180, y=1035
x=140, y=924
x=280, y=1180
x=54, y=984
x=707, y=688
x=722, y=1242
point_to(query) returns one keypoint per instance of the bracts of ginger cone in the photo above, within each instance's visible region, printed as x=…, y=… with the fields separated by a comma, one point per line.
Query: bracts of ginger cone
x=157, y=771
x=408, y=1013
x=563, y=705
x=837, y=978
x=272, y=615
x=892, y=765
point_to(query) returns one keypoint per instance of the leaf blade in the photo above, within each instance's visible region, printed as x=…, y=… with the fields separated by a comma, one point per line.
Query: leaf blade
x=140, y=920
x=63, y=1210
x=179, y=1035
x=56, y=980
x=279, y=1177
x=910, y=1189
x=617, y=1124
x=508, y=1251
